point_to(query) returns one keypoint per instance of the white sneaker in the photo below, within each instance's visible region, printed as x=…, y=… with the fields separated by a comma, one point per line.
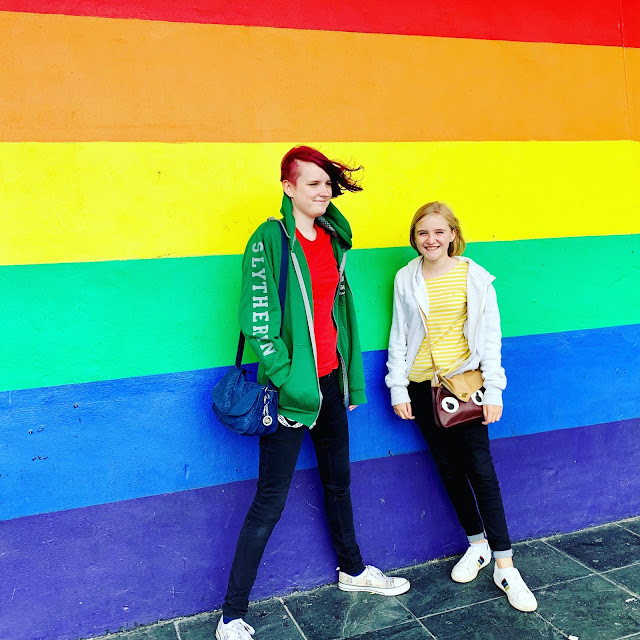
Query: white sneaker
x=476, y=557
x=373, y=580
x=518, y=594
x=237, y=629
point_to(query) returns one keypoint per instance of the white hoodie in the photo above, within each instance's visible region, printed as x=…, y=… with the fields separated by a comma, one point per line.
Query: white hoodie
x=481, y=329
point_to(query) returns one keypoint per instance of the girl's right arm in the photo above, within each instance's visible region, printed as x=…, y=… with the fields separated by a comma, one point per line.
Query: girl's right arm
x=396, y=379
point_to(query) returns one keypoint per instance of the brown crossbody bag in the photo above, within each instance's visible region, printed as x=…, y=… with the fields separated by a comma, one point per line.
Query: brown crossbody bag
x=457, y=400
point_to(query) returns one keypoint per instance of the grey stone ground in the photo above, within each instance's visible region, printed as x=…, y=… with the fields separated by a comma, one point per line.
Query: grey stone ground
x=587, y=585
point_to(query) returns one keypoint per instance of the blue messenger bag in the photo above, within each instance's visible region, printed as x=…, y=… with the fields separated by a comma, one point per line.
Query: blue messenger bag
x=248, y=407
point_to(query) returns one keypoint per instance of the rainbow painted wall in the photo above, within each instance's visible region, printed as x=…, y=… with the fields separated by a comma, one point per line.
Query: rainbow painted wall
x=139, y=147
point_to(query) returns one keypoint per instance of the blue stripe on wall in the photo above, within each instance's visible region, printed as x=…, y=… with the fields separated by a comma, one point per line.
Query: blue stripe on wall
x=87, y=444
x=80, y=572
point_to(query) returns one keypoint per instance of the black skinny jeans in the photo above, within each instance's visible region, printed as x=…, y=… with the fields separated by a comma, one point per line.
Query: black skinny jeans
x=278, y=455
x=464, y=461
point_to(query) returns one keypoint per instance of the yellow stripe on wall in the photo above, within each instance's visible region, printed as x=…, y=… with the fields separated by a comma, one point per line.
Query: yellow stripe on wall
x=74, y=202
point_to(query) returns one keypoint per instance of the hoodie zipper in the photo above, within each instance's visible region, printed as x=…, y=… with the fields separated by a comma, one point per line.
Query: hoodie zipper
x=307, y=309
x=343, y=368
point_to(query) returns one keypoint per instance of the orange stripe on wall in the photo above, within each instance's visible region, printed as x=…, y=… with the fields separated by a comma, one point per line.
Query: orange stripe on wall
x=80, y=79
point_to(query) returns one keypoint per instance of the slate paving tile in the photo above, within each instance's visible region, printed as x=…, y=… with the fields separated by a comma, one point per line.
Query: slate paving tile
x=433, y=590
x=165, y=631
x=590, y=608
x=632, y=525
x=330, y=614
x=571, y=597
x=541, y=565
x=407, y=631
x=628, y=577
x=495, y=620
x=269, y=618
x=602, y=548
x=199, y=627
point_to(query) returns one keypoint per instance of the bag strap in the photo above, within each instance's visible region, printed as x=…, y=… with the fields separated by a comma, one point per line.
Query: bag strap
x=282, y=290
x=433, y=362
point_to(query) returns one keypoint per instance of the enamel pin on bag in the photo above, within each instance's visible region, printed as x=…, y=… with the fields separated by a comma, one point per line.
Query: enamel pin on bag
x=248, y=407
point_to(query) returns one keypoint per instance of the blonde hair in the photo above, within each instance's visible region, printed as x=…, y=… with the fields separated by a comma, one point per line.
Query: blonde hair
x=457, y=246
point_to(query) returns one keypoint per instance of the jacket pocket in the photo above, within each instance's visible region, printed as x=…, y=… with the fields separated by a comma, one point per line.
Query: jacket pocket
x=299, y=392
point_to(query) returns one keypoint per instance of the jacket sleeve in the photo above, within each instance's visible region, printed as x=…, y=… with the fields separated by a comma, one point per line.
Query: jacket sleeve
x=494, y=376
x=355, y=369
x=396, y=379
x=259, y=314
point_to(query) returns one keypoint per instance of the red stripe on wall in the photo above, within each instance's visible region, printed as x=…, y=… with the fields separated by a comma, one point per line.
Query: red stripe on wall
x=564, y=21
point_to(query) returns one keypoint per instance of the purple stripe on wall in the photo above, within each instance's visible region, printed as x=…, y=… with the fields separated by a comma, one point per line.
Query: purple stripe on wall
x=82, y=572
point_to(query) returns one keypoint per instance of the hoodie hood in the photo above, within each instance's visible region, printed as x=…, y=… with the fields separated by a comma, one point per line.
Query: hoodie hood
x=332, y=220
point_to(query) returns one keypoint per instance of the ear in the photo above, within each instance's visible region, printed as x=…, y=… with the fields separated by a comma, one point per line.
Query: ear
x=287, y=187
x=454, y=233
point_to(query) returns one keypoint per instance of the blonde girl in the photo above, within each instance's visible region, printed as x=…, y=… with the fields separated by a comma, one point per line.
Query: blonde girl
x=454, y=297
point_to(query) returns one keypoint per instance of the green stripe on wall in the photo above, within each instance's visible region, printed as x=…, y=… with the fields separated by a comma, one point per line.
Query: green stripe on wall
x=66, y=323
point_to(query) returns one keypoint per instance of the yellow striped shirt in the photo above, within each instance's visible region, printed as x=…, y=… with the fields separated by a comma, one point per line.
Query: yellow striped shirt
x=447, y=315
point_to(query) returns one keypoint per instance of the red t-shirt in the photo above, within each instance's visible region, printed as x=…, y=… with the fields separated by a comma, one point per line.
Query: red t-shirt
x=324, y=282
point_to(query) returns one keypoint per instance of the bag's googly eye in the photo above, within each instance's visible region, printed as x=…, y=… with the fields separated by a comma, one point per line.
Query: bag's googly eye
x=450, y=405
x=478, y=397
x=267, y=420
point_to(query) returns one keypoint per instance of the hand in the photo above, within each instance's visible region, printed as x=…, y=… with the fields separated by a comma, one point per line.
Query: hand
x=491, y=412
x=352, y=407
x=403, y=410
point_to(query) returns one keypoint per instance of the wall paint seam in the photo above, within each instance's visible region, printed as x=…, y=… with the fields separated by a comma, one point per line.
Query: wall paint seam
x=625, y=66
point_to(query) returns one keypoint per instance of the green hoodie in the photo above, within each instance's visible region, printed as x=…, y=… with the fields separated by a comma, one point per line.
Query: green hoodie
x=293, y=368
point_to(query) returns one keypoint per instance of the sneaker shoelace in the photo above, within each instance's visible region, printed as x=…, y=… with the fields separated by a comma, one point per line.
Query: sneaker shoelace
x=376, y=574
x=471, y=556
x=240, y=629
x=517, y=587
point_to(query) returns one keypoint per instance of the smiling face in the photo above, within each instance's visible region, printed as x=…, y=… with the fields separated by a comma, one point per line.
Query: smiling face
x=433, y=236
x=311, y=193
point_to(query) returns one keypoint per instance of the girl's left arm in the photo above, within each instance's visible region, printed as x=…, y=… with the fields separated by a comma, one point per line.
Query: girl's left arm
x=495, y=379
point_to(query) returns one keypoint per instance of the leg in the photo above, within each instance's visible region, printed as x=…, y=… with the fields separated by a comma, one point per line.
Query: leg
x=484, y=481
x=449, y=450
x=278, y=455
x=330, y=438
x=445, y=446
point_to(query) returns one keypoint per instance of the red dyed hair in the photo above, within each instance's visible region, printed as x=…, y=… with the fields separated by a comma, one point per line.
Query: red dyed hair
x=340, y=174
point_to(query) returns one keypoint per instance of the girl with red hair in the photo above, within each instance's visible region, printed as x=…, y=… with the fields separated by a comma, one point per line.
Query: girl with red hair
x=313, y=357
